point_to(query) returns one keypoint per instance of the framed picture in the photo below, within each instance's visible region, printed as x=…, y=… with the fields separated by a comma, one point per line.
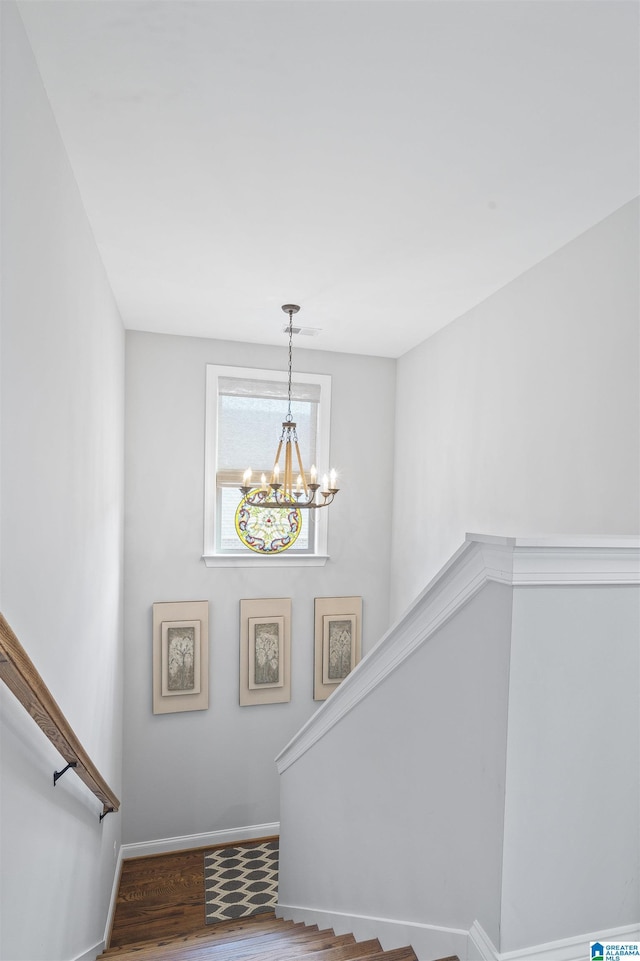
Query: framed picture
x=180, y=656
x=338, y=642
x=265, y=651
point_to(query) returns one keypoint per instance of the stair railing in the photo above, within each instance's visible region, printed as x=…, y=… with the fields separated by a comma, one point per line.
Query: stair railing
x=23, y=680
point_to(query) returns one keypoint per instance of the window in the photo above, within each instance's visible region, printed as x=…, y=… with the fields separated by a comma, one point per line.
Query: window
x=245, y=410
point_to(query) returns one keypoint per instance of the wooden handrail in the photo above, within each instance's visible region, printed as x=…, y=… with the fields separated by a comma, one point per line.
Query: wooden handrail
x=21, y=677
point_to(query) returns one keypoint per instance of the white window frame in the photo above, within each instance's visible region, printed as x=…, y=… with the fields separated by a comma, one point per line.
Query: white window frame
x=213, y=557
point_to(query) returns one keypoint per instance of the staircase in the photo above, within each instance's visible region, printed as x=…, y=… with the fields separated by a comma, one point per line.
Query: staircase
x=261, y=938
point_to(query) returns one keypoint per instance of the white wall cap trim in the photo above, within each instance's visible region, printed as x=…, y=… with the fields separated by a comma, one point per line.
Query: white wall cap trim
x=514, y=562
x=570, y=559
x=566, y=949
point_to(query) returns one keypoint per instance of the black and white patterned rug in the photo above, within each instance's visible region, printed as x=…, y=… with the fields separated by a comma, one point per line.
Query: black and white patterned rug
x=240, y=881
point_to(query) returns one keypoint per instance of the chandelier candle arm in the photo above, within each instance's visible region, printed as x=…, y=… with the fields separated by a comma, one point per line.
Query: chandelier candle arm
x=258, y=497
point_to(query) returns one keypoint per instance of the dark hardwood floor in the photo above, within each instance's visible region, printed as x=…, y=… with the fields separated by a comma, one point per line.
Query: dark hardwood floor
x=160, y=897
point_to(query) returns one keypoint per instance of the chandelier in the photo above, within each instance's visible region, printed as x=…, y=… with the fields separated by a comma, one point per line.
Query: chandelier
x=289, y=488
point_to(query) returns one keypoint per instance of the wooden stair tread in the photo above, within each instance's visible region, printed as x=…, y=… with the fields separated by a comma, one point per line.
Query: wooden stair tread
x=288, y=949
x=395, y=954
x=246, y=950
x=238, y=947
x=260, y=940
x=276, y=949
x=225, y=932
x=358, y=951
x=162, y=923
x=362, y=951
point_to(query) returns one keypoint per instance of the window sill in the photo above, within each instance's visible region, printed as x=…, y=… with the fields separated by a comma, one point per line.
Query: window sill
x=260, y=560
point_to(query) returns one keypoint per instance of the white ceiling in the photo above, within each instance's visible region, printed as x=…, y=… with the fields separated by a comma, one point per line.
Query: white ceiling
x=385, y=164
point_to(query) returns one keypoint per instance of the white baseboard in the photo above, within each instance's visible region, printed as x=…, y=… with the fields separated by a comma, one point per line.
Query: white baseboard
x=210, y=839
x=428, y=941
x=481, y=947
x=114, y=895
x=431, y=941
x=92, y=953
x=185, y=843
x=567, y=949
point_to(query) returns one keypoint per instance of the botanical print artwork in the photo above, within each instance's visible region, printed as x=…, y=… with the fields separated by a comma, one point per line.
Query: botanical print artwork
x=337, y=642
x=267, y=652
x=181, y=643
x=340, y=637
x=180, y=656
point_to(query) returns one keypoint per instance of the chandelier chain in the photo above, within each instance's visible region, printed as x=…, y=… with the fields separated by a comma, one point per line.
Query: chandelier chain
x=289, y=414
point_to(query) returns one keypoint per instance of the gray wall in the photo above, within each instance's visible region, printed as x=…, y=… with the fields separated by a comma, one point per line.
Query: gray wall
x=399, y=807
x=523, y=416
x=61, y=514
x=571, y=837
x=197, y=772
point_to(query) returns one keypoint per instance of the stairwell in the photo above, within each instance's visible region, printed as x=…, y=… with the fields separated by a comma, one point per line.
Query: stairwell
x=160, y=915
x=261, y=938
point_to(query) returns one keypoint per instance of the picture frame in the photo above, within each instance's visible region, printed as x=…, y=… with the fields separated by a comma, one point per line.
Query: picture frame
x=265, y=651
x=337, y=642
x=180, y=656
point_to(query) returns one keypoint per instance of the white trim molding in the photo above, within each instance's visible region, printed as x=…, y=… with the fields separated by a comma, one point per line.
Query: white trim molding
x=433, y=941
x=575, y=561
x=209, y=839
x=427, y=940
x=211, y=555
x=114, y=897
x=566, y=949
x=513, y=561
x=275, y=560
x=91, y=953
